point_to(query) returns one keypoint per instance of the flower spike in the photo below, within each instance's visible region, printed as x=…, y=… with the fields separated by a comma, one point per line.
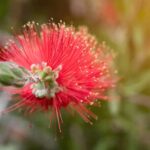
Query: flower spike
x=57, y=67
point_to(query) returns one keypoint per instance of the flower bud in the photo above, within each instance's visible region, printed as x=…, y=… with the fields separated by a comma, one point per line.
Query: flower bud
x=12, y=74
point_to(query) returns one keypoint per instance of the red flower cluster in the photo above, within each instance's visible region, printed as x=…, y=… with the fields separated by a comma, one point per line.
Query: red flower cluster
x=66, y=68
x=108, y=13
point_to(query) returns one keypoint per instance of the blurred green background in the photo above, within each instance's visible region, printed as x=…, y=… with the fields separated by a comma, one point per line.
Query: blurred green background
x=124, y=121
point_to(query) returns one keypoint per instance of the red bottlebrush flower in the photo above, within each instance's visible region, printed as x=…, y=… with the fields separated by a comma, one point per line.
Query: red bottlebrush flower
x=108, y=13
x=65, y=68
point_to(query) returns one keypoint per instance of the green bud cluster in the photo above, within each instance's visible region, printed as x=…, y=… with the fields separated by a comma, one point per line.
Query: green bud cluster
x=45, y=84
x=12, y=74
x=42, y=78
